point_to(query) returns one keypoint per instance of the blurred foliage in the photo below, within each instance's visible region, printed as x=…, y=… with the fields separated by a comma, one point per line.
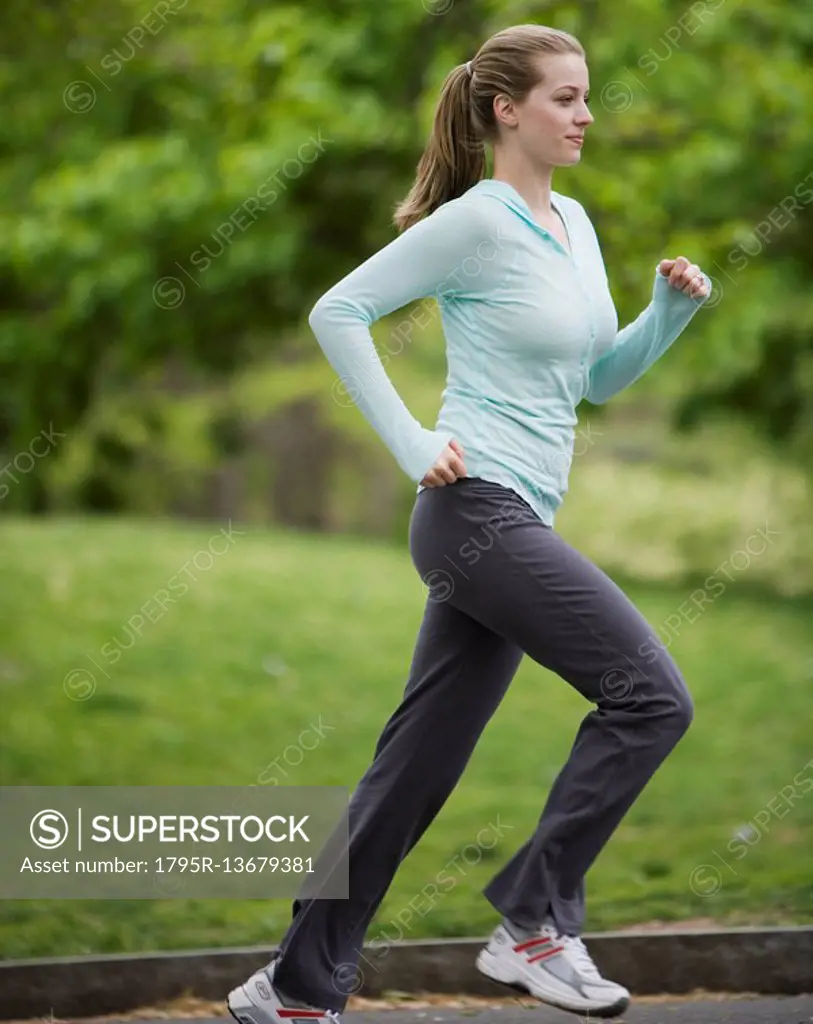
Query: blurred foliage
x=180, y=182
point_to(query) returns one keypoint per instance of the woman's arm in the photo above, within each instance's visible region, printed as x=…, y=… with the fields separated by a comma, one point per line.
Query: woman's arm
x=642, y=342
x=451, y=254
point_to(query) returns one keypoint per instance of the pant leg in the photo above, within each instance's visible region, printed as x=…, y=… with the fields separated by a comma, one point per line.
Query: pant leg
x=523, y=581
x=459, y=673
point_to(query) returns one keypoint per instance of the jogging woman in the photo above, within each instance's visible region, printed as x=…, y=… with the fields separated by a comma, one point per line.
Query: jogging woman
x=531, y=330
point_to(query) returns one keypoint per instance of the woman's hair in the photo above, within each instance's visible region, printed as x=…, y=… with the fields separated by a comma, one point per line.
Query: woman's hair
x=455, y=158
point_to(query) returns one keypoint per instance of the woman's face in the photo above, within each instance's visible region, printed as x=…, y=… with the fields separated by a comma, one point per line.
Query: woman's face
x=554, y=115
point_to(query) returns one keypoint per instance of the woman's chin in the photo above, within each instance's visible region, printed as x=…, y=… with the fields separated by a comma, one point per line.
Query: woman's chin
x=569, y=160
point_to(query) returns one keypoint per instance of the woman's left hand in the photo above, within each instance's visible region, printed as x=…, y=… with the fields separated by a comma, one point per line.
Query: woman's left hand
x=685, y=276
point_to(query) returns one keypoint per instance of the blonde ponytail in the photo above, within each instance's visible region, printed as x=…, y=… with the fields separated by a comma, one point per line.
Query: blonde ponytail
x=454, y=158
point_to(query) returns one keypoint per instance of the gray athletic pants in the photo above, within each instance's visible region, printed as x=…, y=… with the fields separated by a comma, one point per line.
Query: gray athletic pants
x=501, y=584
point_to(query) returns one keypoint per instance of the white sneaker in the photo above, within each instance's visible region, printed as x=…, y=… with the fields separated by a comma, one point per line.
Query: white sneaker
x=258, y=1002
x=557, y=969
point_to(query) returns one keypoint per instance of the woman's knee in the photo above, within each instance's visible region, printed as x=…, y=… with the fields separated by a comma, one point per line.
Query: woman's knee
x=671, y=697
x=658, y=692
x=684, y=708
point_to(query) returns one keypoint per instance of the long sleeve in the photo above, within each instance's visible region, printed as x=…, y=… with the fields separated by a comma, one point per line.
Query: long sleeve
x=642, y=342
x=452, y=253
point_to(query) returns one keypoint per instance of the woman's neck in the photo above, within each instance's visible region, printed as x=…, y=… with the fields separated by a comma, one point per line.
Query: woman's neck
x=533, y=184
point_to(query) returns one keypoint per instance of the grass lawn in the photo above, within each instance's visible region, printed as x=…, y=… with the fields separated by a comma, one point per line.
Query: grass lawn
x=285, y=631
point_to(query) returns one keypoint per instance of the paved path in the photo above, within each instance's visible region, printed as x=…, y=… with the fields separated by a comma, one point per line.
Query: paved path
x=763, y=1010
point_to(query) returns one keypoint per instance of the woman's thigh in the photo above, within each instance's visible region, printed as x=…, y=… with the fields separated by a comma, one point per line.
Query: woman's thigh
x=479, y=546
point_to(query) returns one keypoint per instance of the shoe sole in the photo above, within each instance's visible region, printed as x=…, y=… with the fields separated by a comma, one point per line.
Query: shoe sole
x=488, y=965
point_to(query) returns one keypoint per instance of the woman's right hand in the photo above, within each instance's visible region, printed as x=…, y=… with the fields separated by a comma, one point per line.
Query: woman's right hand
x=448, y=468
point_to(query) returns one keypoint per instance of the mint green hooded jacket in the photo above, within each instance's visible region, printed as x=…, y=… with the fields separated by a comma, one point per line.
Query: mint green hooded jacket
x=531, y=330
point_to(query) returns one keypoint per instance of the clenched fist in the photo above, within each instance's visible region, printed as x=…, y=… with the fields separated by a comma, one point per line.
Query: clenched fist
x=685, y=276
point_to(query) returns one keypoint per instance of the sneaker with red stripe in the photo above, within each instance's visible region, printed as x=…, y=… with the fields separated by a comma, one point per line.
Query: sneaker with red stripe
x=258, y=1002
x=554, y=968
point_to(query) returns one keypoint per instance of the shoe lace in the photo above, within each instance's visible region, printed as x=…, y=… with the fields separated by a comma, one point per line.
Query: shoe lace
x=578, y=953
x=333, y=1015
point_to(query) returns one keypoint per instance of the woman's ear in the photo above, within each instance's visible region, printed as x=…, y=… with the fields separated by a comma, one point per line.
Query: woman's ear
x=505, y=111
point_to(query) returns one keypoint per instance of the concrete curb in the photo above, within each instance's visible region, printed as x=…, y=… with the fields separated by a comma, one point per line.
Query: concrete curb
x=760, y=960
